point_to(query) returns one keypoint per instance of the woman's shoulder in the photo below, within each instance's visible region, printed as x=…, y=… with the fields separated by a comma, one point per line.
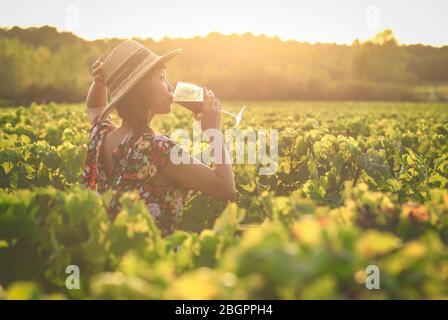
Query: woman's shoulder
x=158, y=139
x=100, y=125
x=154, y=145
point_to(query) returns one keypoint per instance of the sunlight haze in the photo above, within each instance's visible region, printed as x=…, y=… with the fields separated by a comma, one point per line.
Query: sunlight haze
x=340, y=21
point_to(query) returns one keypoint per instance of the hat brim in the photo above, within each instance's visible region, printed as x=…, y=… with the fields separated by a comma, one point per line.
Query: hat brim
x=145, y=67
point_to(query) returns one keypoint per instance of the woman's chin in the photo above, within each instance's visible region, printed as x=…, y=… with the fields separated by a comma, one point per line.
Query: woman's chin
x=164, y=110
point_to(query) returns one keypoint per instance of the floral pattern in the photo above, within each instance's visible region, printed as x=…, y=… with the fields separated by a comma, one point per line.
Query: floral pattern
x=135, y=161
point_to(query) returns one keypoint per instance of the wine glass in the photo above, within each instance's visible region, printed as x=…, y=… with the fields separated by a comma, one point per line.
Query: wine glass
x=191, y=97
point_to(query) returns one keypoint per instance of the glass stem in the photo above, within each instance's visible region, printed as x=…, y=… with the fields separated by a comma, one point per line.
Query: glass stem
x=229, y=113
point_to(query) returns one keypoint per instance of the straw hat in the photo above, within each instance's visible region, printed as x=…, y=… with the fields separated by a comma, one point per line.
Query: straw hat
x=125, y=65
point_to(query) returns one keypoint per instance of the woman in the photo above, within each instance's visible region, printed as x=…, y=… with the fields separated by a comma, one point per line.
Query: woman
x=132, y=156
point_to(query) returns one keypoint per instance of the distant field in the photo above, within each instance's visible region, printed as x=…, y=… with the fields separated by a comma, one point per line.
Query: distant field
x=434, y=92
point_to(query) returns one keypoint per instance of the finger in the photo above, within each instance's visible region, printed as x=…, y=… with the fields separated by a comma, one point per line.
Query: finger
x=100, y=58
x=214, y=100
x=218, y=104
x=205, y=94
x=215, y=104
x=97, y=72
x=207, y=99
x=211, y=97
x=96, y=63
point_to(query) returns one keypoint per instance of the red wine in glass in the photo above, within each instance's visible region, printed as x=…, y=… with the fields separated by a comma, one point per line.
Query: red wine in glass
x=191, y=97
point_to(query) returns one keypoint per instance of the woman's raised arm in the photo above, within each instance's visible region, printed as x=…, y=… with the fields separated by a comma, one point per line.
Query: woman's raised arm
x=97, y=95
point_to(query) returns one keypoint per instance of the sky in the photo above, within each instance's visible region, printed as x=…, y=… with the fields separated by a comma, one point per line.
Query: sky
x=339, y=21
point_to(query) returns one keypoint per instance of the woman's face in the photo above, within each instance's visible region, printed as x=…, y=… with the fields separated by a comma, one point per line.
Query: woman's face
x=160, y=92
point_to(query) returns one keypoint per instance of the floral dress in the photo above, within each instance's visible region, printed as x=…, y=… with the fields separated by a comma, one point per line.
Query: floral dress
x=135, y=161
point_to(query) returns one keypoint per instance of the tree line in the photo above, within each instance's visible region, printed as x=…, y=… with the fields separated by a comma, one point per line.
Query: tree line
x=43, y=65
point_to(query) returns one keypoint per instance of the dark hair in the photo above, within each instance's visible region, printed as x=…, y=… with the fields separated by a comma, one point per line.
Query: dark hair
x=133, y=106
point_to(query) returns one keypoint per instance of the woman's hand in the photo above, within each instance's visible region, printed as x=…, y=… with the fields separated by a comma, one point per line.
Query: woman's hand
x=210, y=117
x=97, y=71
x=97, y=95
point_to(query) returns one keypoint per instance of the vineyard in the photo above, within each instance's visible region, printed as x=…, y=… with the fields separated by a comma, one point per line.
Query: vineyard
x=357, y=184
